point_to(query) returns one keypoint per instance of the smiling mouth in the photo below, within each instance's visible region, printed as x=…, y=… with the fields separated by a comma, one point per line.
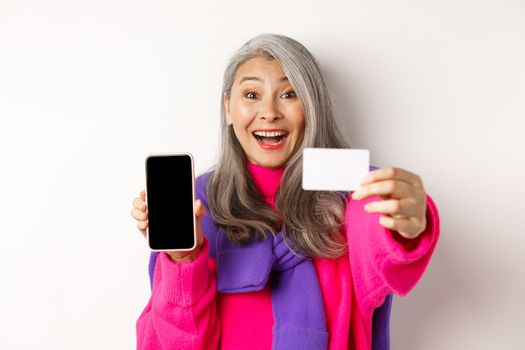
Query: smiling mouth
x=270, y=140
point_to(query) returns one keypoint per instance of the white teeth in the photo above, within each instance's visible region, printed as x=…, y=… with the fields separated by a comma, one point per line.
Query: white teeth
x=269, y=134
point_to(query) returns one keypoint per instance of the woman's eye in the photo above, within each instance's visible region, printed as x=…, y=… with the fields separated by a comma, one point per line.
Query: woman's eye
x=250, y=95
x=290, y=93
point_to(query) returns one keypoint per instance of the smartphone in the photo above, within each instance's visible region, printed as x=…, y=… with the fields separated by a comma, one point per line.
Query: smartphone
x=170, y=194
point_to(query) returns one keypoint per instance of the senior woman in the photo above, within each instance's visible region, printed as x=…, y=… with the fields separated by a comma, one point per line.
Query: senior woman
x=277, y=267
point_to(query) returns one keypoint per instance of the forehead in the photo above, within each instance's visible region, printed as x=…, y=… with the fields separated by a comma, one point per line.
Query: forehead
x=260, y=67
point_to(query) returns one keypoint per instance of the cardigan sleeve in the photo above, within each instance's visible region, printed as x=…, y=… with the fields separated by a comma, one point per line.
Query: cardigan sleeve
x=383, y=262
x=181, y=312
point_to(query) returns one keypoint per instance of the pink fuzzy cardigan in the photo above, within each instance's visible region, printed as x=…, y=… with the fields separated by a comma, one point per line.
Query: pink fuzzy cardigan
x=185, y=311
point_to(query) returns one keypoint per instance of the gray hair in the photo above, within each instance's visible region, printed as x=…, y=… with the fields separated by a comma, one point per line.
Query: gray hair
x=311, y=220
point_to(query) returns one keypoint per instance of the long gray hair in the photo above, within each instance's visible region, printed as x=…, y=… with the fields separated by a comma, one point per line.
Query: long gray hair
x=311, y=220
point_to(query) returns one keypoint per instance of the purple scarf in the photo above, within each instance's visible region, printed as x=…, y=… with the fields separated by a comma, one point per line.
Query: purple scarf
x=381, y=317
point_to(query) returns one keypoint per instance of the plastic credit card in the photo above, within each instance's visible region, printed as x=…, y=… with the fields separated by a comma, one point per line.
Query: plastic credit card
x=334, y=169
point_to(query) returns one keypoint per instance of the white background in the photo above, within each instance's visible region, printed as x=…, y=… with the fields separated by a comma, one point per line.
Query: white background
x=89, y=88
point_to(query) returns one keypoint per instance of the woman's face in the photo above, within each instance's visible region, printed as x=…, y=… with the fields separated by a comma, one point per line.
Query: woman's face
x=267, y=116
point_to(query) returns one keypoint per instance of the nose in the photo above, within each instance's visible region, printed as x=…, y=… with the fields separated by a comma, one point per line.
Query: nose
x=269, y=110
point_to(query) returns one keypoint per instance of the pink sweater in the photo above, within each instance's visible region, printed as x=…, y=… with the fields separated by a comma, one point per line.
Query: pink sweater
x=185, y=311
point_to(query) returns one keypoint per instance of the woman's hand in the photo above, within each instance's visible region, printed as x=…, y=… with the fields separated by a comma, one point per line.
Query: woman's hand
x=140, y=212
x=404, y=200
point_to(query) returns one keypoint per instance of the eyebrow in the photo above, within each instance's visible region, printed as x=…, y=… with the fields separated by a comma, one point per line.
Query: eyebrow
x=285, y=78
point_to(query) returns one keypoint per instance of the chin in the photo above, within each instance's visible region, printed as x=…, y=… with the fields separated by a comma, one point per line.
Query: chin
x=270, y=163
x=276, y=164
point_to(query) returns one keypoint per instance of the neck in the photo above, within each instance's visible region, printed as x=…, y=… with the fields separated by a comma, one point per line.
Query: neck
x=266, y=179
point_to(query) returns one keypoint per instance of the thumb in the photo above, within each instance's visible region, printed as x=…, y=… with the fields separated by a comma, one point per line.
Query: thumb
x=199, y=213
x=199, y=208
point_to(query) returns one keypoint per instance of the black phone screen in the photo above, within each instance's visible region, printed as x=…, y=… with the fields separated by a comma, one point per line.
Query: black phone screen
x=169, y=181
